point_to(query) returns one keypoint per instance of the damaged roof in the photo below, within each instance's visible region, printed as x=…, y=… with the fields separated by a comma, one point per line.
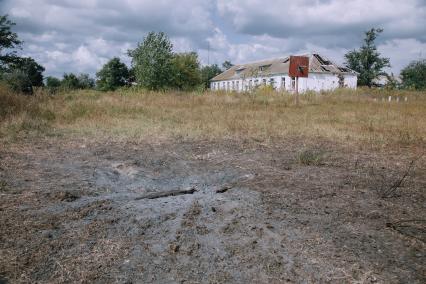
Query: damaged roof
x=317, y=64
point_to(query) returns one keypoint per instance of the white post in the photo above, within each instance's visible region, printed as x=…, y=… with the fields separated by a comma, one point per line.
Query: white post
x=390, y=98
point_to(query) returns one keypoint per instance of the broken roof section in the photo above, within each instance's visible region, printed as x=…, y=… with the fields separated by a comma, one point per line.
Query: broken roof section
x=317, y=64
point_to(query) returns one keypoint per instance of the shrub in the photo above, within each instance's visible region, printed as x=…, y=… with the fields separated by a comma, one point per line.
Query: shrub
x=19, y=82
x=310, y=157
x=114, y=74
x=414, y=75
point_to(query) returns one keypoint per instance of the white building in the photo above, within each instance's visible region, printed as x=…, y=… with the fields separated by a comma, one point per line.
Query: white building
x=323, y=75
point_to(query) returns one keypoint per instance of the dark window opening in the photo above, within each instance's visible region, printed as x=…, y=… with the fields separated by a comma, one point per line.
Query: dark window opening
x=283, y=82
x=341, y=81
x=321, y=60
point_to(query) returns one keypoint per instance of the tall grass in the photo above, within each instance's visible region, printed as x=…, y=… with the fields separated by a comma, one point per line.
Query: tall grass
x=345, y=115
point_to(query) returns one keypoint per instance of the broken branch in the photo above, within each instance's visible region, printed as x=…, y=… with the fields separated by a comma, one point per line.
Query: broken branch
x=176, y=192
x=391, y=190
x=223, y=189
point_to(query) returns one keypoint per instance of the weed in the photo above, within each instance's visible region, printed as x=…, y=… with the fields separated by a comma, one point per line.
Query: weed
x=3, y=185
x=311, y=157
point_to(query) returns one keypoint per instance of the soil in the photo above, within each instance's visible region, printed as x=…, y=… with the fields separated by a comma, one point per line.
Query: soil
x=223, y=211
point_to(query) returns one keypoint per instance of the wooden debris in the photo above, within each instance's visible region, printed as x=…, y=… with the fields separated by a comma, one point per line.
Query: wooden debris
x=223, y=189
x=176, y=192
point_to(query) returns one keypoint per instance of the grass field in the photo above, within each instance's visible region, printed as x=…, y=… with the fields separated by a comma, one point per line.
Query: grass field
x=363, y=116
x=329, y=191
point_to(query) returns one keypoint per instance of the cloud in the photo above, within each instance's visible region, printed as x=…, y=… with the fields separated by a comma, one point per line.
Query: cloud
x=80, y=36
x=325, y=20
x=87, y=33
x=402, y=52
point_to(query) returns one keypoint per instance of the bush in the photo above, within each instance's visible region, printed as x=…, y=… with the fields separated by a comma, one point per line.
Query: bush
x=52, y=82
x=19, y=82
x=186, y=71
x=114, y=74
x=74, y=82
x=311, y=157
x=414, y=75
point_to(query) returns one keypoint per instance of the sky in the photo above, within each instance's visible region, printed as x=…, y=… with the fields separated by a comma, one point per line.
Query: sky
x=81, y=35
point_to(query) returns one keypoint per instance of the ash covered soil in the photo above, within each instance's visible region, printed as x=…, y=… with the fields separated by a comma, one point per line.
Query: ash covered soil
x=85, y=211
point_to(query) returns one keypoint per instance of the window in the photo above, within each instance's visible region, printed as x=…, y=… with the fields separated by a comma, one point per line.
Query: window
x=272, y=82
x=227, y=86
x=293, y=83
x=233, y=85
x=250, y=84
x=264, y=81
x=283, y=83
x=223, y=86
x=256, y=82
x=237, y=85
x=341, y=80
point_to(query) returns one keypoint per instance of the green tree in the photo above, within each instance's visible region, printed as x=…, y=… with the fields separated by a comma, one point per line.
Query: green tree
x=152, y=61
x=208, y=72
x=30, y=67
x=186, y=71
x=8, y=41
x=85, y=82
x=70, y=81
x=21, y=73
x=114, y=74
x=367, y=61
x=53, y=82
x=414, y=75
x=226, y=65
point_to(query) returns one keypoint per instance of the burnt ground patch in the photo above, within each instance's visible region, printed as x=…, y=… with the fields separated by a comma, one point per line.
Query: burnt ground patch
x=72, y=212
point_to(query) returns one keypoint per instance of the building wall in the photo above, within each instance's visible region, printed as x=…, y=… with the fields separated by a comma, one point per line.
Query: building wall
x=351, y=81
x=315, y=82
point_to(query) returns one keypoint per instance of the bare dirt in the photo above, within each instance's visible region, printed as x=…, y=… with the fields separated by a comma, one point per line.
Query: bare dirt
x=81, y=211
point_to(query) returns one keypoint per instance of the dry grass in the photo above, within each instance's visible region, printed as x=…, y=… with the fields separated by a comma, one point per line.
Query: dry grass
x=344, y=115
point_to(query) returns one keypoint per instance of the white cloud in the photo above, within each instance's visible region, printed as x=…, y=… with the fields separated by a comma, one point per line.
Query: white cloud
x=19, y=12
x=80, y=35
x=312, y=17
x=402, y=51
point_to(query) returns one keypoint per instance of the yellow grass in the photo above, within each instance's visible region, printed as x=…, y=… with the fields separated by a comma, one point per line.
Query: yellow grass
x=345, y=116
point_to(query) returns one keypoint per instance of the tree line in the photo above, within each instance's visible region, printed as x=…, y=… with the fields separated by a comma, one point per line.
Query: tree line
x=155, y=66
